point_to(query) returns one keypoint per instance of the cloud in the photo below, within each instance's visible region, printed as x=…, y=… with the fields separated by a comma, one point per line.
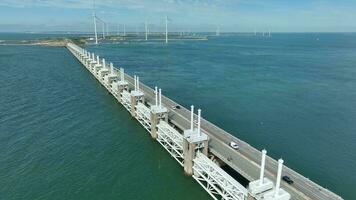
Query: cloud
x=85, y=4
x=238, y=15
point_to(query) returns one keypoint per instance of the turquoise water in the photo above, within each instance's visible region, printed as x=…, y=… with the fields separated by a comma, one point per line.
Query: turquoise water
x=63, y=136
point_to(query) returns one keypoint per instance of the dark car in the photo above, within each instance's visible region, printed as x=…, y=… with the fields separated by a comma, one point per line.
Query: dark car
x=175, y=107
x=287, y=179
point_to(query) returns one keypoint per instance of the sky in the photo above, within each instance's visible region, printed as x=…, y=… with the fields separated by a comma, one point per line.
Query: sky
x=184, y=15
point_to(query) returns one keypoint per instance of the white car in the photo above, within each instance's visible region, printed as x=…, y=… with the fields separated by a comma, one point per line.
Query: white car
x=234, y=145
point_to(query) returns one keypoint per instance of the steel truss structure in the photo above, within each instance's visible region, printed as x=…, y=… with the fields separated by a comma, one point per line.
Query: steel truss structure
x=126, y=99
x=216, y=181
x=171, y=140
x=143, y=115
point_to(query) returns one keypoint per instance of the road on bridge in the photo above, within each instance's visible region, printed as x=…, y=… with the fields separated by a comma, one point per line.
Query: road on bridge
x=246, y=160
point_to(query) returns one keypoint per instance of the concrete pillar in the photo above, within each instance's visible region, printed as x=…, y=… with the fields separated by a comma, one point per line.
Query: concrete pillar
x=138, y=83
x=263, y=184
x=205, y=149
x=94, y=62
x=189, y=155
x=154, y=122
x=160, y=97
x=279, y=175
x=121, y=88
x=156, y=96
x=122, y=74
x=111, y=68
x=199, y=116
x=136, y=96
x=278, y=193
x=191, y=117
x=194, y=140
x=133, y=105
x=263, y=161
x=157, y=114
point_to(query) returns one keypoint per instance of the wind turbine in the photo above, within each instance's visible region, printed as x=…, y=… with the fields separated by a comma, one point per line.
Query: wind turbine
x=103, y=29
x=107, y=29
x=103, y=25
x=167, y=19
x=94, y=19
x=217, y=31
x=146, y=29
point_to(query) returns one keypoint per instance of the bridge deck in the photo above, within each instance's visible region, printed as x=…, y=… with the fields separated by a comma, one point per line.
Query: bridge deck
x=247, y=159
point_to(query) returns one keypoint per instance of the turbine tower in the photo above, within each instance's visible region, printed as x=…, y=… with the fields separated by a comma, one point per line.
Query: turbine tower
x=103, y=25
x=103, y=29
x=166, y=29
x=146, y=29
x=217, y=31
x=107, y=29
x=94, y=19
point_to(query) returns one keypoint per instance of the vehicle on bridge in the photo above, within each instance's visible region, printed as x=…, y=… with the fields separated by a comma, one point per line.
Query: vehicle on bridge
x=234, y=145
x=288, y=180
x=176, y=107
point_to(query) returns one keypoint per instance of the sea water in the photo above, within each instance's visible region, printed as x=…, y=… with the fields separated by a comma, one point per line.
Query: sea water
x=62, y=136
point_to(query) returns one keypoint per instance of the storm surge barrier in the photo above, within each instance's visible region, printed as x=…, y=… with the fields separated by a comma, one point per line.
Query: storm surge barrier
x=198, y=146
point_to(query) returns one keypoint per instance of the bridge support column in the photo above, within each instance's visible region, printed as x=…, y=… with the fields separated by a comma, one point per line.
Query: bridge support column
x=189, y=155
x=194, y=140
x=158, y=113
x=136, y=96
x=96, y=65
x=90, y=61
x=111, y=77
x=121, y=85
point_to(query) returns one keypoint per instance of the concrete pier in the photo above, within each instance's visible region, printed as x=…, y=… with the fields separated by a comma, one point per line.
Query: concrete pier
x=194, y=140
x=158, y=113
x=136, y=96
x=111, y=76
x=121, y=85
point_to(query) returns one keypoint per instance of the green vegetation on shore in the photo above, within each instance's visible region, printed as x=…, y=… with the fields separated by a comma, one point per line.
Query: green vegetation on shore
x=82, y=39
